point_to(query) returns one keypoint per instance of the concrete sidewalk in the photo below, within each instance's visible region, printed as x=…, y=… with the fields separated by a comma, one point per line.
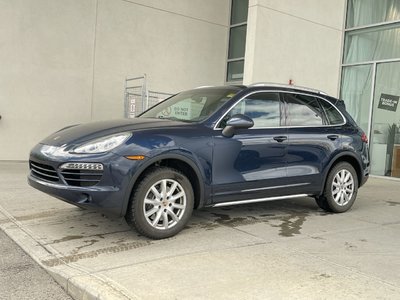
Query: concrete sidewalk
x=273, y=250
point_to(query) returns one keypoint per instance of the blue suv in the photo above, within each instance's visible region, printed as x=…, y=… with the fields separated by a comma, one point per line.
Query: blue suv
x=210, y=146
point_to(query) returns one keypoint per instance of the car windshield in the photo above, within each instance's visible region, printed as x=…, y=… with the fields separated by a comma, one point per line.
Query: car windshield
x=191, y=106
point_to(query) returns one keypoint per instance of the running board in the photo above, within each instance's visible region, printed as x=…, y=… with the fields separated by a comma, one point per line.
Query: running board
x=258, y=200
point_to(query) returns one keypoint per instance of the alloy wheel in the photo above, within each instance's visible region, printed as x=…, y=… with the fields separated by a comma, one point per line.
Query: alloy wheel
x=164, y=204
x=342, y=187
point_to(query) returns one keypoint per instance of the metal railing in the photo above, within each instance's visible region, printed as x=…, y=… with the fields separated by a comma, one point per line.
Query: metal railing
x=138, y=98
x=156, y=97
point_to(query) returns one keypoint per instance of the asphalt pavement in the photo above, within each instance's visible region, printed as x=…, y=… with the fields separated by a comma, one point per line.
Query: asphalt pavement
x=22, y=278
x=273, y=250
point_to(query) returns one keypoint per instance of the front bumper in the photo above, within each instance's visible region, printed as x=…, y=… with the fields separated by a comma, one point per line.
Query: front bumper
x=109, y=195
x=103, y=198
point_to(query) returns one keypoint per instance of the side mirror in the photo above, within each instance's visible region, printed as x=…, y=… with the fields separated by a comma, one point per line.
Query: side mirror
x=238, y=121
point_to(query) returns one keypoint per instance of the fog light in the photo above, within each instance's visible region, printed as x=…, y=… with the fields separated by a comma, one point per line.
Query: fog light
x=83, y=166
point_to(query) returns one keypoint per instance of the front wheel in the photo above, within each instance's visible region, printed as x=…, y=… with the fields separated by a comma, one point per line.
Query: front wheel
x=161, y=204
x=340, y=189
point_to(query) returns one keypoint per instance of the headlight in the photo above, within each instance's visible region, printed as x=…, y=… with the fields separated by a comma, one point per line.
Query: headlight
x=103, y=144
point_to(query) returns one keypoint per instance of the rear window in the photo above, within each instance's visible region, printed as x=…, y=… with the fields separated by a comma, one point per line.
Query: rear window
x=303, y=111
x=332, y=114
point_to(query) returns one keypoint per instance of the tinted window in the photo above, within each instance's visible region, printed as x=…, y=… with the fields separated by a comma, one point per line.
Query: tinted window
x=332, y=114
x=262, y=108
x=303, y=111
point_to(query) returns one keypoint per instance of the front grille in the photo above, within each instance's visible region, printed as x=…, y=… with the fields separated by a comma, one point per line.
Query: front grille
x=81, y=177
x=44, y=171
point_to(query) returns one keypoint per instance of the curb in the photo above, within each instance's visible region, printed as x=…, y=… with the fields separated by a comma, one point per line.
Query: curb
x=78, y=282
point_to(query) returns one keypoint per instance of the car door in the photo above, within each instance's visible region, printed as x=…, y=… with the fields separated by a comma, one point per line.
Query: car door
x=312, y=140
x=252, y=163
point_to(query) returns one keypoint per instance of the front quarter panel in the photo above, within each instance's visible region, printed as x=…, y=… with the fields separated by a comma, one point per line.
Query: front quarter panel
x=191, y=145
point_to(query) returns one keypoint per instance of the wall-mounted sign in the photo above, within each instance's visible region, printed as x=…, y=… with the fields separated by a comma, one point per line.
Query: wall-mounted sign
x=388, y=102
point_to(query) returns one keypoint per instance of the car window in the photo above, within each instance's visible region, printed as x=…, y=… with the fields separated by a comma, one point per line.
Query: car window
x=191, y=106
x=303, y=111
x=333, y=115
x=262, y=108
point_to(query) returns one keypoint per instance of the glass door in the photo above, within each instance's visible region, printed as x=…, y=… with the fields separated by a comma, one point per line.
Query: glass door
x=356, y=92
x=385, y=127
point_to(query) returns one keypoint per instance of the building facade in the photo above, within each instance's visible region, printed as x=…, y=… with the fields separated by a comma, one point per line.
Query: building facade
x=371, y=75
x=65, y=62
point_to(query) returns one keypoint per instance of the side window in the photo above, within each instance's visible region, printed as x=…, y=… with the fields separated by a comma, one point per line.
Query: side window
x=303, y=111
x=333, y=115
x=262, y=108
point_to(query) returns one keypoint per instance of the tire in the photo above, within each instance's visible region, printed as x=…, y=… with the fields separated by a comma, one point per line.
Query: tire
x=321, y=202
x=162, y=203
x=340, y=190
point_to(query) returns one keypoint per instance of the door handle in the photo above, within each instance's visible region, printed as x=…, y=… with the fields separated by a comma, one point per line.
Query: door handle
x=280, y=138
x=333, y=137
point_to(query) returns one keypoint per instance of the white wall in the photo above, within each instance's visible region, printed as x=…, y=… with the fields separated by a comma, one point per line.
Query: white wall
x=64, y=62
x=46, y=66
x=298, y=40
x=179, y=45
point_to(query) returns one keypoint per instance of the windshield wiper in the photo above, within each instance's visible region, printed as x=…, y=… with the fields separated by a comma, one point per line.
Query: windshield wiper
x=173, y=119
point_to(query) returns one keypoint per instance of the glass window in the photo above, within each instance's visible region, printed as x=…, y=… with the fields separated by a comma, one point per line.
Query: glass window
x=366, y=12
x=385, y=129
x=235, y=70
x=303, y=111
x=382, y=42
x=333, y=115
x=191, y=106
x=262, y=108
x=356, y=92
x=239, y=11
x=237, y=42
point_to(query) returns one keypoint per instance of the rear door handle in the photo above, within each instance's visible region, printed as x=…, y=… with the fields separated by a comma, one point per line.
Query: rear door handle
x=280, y=138
x=332, y=137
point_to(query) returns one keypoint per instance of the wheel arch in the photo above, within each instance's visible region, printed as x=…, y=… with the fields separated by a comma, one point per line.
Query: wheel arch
x=348, y=157
x=177, y=161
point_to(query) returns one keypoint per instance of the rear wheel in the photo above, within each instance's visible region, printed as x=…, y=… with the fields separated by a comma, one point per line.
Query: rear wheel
x=321, y=202
x=340, y=189
x=162, y=203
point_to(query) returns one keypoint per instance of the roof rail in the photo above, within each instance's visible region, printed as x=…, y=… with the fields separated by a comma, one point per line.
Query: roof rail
x=204, y=86
x=289, y=86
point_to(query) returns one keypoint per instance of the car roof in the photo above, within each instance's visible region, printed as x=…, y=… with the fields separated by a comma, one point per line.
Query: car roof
x=268, y=85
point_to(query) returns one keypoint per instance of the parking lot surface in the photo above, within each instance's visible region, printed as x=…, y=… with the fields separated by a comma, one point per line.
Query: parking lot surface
x=21, y=278
x=273, y=250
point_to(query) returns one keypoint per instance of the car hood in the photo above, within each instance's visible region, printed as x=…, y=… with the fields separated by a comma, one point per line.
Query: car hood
x=78, y=134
